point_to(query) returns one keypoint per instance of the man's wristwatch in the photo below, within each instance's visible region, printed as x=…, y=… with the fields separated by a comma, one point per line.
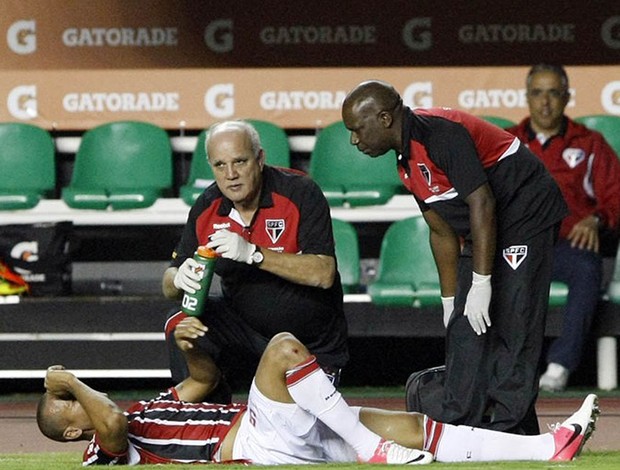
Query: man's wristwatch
x=257, y=256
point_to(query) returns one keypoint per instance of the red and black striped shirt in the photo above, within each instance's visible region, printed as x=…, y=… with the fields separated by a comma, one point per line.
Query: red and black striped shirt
x=167, y=430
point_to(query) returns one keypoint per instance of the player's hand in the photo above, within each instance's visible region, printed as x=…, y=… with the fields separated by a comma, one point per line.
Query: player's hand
x=477, y=305
x=58, y=382
x=584, y=234
x=448, y=308
x=188, y=331
x=187, y=278
x=232, y=246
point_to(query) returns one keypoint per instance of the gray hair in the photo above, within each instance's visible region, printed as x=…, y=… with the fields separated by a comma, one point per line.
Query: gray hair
x=555, y=69
x=243, y=126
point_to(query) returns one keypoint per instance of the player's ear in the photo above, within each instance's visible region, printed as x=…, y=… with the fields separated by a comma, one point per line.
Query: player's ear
x=386, y=118
x=71, y=433
x=261, y=158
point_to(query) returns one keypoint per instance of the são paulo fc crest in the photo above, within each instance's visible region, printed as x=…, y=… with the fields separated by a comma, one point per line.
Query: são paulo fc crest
x=426, y=173
x=515, y=255
x=573, y=156
x=274, y=228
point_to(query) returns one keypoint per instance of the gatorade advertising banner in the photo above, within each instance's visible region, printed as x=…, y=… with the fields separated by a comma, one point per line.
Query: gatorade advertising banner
x=73, y=64
x=121, y=34
x=294, y=98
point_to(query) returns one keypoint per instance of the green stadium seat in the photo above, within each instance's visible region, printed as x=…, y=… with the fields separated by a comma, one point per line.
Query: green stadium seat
x=558, y=293
x=406, y=274
x=499, y=121
x=200, y=174
x=120, y=165
x=613, y=291
x=347, y=255
x=27, y=165
x=273, y=139
x=346, y=175
x=606, y=124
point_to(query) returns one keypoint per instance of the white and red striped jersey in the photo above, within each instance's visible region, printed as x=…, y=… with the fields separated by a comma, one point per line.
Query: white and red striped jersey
x=167, y=430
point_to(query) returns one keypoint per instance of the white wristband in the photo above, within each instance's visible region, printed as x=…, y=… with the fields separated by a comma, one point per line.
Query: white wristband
x=447, y=302
x=480, y=278
x=448, y=307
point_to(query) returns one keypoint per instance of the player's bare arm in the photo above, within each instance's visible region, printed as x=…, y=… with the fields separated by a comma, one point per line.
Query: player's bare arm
x=204, y=375
x=446, y=249
x=106, y=418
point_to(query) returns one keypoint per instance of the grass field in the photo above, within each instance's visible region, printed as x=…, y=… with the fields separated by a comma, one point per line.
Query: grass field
x=72, y=460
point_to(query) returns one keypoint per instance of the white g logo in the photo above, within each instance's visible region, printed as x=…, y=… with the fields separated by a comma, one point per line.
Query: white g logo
x=218, y=36
x=22, y=102
x=21, y=37
x=417, y=35
x=610, y=97
x=419, y=95
x=220, y=100
x=610, y=32
x=27, y=251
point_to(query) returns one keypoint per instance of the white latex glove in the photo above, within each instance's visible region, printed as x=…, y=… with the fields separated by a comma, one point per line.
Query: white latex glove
x=478, y=300
x=232, y=246
x=448, y=308
x=186, y=278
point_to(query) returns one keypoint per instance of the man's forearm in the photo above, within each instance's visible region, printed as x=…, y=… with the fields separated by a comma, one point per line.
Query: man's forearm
x=201, y=367
x=96, y=404
x=204, y=375
x=107, y=418
x=308, y=270
x=446, y=250
x=483, y=229
x=167, y=285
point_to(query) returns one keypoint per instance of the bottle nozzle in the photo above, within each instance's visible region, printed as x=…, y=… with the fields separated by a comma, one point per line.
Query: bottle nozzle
x=206, y=252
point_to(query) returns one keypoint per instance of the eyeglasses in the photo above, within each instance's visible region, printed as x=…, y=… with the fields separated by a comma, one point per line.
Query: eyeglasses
x=553, y=93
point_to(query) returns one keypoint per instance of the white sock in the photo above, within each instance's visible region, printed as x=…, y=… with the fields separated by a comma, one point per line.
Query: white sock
x=314, y=392
x=451, y=443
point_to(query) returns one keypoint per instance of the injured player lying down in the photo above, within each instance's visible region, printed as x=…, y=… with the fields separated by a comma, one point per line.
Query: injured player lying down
x=293, y=415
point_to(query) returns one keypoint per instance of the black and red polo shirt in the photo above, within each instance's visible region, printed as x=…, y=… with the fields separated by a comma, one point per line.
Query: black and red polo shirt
x=447, y=154
x=293, y=217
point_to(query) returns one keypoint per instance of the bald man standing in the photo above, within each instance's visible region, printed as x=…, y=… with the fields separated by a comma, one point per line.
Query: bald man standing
x=493, y=211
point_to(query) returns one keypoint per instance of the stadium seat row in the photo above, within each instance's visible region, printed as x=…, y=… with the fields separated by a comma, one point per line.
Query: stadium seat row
x=406, y=273
x=129, y=165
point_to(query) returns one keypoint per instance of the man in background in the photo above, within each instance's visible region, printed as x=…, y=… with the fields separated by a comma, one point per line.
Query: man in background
x=588, y=173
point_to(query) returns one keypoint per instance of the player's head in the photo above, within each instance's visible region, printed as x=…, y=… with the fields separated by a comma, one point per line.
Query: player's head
x=62, y=420
x=237, y=159
x=372, y=111
x=548, y=94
